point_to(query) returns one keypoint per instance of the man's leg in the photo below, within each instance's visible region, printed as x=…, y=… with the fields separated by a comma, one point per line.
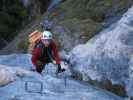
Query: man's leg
x=40, y=68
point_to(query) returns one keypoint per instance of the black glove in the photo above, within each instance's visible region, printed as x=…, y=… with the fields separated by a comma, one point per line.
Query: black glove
x=59, y=69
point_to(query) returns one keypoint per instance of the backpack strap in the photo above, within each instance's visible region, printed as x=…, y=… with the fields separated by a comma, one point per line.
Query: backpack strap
x=38, y=45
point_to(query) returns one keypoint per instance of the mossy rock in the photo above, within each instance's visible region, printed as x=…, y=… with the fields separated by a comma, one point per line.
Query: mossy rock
x=87, y=27
x=76, y=75
x=94, y=9
x=117, y=89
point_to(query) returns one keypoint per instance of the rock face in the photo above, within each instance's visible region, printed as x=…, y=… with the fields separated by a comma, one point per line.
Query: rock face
x=2, y=44
x=8, y=74
x=29, y=85
x=108, y=55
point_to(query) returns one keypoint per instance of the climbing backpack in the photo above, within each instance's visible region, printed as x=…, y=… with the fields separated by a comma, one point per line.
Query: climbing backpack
x=33, y=38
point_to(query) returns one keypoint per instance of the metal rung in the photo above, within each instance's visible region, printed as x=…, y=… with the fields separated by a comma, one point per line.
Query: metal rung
x=34, y=87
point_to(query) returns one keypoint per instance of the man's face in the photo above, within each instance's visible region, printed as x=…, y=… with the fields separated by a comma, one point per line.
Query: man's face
x=46, y=42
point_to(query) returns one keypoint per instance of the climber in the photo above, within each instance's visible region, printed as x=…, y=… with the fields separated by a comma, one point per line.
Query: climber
x=45, y=52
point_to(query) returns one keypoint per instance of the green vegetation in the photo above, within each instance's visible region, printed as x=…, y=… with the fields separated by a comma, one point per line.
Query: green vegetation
x=12, y=15
x=87, y=27
x=94, y=9
x=22, y=45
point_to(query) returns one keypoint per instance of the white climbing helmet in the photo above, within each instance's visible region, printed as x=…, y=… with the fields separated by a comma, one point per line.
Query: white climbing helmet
x=46, y=35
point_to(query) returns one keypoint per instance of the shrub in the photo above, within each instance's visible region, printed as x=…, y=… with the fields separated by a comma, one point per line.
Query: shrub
x=12, y=16
x=22, y=45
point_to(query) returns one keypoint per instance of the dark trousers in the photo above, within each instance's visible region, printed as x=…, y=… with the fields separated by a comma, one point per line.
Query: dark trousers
x=39, y=68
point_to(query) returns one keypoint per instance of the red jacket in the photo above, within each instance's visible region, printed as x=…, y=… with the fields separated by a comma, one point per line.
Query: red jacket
x=37, y=53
